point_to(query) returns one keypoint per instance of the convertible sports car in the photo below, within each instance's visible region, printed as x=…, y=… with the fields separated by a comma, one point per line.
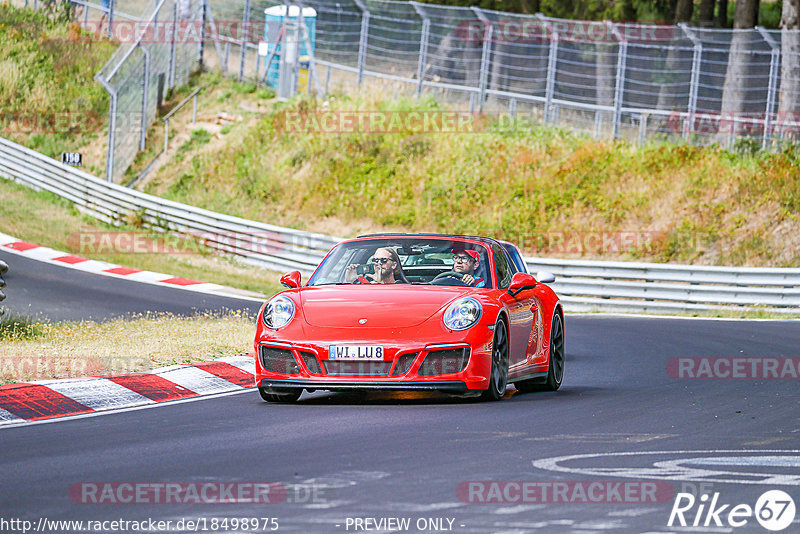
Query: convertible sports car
x=412, y=312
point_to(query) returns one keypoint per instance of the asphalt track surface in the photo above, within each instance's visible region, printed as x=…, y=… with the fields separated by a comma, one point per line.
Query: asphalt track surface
x=392, y=455
x=58, y=293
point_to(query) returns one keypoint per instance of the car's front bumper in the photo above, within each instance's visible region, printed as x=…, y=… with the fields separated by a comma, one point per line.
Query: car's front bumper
x=437, y=385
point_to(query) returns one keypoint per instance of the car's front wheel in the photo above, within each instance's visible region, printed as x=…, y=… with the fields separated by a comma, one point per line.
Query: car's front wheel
x=498, y=379
x=290, y=395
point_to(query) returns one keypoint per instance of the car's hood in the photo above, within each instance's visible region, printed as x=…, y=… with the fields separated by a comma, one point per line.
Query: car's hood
x=395, y=306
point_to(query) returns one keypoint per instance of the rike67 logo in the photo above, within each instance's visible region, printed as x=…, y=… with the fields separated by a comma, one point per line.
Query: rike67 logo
x=774, y=510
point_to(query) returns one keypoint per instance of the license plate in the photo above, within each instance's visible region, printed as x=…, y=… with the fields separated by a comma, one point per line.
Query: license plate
x=355, y=352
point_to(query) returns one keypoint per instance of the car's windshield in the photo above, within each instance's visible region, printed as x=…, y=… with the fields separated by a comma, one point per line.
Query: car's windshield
x=404, y=260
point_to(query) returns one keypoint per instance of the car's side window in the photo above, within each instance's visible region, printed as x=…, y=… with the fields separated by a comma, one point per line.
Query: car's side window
x=502, y=268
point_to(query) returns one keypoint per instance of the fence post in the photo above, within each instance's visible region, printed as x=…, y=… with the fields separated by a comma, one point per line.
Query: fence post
x=694, y=84
x=246, y=30
x=111, y=5
x=172, y=47
x=112, y=126
x=552, y=61
x=486, y=52
x=145, y=90
x=362, y=43
x=423, y=46
x=201, y=48
x=619, y=89
x=774, y=61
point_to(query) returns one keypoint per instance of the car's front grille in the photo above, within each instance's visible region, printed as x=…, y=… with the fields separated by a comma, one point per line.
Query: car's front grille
x=404, y=363
x=278, y=360
x=357, y=368
x=311, y=363
x=444, y=362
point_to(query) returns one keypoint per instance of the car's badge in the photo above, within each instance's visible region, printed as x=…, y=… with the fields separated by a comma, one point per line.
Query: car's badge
x=362, y=321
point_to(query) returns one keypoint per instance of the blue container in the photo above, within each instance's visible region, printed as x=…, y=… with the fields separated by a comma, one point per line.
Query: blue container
x=274, y=19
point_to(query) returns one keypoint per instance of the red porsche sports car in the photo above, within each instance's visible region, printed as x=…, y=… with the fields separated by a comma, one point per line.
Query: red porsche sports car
x=412, y=312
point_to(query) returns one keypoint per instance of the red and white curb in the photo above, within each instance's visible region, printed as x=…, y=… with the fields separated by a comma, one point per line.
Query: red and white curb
x=46, y=399
x=31, y=250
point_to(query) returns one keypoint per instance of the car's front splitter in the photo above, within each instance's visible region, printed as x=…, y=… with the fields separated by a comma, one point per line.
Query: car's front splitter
x=281, y=383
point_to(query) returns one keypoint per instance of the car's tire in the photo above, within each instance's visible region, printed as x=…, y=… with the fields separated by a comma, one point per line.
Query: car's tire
x=555, y=367
x=290, y=395
x=498, y=378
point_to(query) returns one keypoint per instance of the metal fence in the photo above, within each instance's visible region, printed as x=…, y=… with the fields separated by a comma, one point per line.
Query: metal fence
x=608, y=79
x=582, y=285
x=601, y=77
x=141, y=72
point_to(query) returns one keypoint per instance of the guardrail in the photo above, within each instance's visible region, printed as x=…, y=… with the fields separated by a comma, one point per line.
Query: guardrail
x=653, y=287
x=271, y=246
x=582, y=285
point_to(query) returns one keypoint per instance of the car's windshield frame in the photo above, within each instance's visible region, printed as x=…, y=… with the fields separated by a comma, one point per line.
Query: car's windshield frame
x=422, y=258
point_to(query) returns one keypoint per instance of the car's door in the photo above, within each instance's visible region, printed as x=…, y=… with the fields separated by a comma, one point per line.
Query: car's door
x=525, y=318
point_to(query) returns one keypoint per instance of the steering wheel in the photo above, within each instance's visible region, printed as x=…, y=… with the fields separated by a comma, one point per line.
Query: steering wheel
x=448, y=274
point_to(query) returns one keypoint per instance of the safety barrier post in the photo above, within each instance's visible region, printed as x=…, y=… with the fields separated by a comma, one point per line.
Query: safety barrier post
x=694, y=84
x=774, y=61
x=486, y=52
x=423, y=46
x=619, y=89
x=363, y=40
x=552, y=61
x=243, y=42
x=145, y=91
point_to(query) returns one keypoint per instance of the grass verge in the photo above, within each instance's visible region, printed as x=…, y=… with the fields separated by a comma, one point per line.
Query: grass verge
x=35, y=350
x=551, y=191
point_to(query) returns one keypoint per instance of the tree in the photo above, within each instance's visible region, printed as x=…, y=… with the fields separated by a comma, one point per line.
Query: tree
x=683, y=11
x=736, y=77
x=789, y=107
x=722, y=14
x=705, y=16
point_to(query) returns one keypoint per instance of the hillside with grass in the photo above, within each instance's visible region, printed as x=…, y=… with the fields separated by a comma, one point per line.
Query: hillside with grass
x=48, y=96
x=553, y=192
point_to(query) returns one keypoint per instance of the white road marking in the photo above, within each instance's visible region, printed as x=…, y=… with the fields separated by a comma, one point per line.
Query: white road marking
x=674, y=470
x=195, y=379
x=96, y=393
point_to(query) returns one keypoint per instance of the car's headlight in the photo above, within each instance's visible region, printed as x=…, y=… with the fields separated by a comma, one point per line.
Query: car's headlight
x=278, y=312
x=462, y=314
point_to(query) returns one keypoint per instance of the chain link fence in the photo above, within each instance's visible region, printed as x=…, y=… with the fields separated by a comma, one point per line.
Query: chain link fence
x=158, y=53
x=608, y=79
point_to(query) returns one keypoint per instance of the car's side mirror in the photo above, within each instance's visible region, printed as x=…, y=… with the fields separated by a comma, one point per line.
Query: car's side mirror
x=521, y=282
x=545, y=277
x=291, y=279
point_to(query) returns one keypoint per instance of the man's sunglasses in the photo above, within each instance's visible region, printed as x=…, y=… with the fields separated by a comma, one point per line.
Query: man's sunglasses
x=461, y=259
x=382, y=261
